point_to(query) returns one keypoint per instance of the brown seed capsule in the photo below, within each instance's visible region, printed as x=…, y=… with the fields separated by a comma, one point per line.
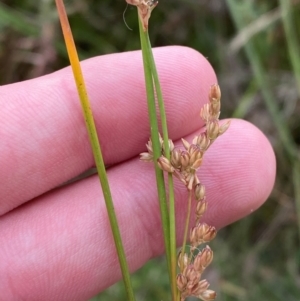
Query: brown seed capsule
x=181, y=282
x=175, y=158
x=203, y=142
x=223, y=128
x=184, y=159
x=196, y=164
x=202, y=233
x=193, y=236
x=200, y=288
x=183, y=261
x=208, y=295
x=149, y=146
x=207, y=256
x=199, y=192
x=192, y=276
x=146, y=157
x=203, y=259
x=214, y=109
x=165, y=164
x=201, y=208
x=204, y=113
x=185, y=144
x=205, y=232
x=213, y=129
x=195, y=153
x=171, y=145
x=214, y=93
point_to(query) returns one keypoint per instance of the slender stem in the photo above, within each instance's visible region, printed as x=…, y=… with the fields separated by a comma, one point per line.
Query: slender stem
x=164, y=125
x=155, y=142
x=187, y=222
x=90, y=124
x=173, y=251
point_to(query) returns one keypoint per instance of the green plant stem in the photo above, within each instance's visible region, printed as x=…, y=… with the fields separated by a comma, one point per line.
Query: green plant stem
x=155, y=137
x=187, y=222
x=164, y=125
x=151, y=77
x=173, y=252
x=91, y=128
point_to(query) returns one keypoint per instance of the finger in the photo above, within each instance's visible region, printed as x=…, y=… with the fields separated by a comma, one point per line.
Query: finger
x=43, y=137
x=60, y=247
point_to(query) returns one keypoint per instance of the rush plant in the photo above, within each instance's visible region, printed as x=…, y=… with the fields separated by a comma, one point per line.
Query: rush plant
x=185, y=268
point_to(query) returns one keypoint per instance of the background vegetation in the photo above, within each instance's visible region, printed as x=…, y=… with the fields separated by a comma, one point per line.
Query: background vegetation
x=254, y=48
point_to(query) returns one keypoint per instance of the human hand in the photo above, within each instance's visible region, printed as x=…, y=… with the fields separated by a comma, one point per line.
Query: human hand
x=56, y=243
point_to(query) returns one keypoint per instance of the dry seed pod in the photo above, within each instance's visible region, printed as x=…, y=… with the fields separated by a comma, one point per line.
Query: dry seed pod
x=213, y=129
x=196, y=164
x=214, y=93
x=195, y=153
x=146, y=157
x=170, y=142
x=171, y=145
x=223, y=127
x=202, y=141
x=199, y=288
x=192, y=276
x=181, y=282
x=165, y=164
x=183, y=261
x=214, y=110
x=185, y=144
x=204, y=113
x=199, y=192
x=201, y=208
x=203, y=259
x=175, y=158
x=202, y=233
x=184, y=159
x=208, y=295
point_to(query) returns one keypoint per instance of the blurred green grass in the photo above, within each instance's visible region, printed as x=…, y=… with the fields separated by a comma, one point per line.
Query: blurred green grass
x=254, y=48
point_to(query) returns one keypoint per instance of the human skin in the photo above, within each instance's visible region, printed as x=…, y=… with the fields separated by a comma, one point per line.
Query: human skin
x=56, y=243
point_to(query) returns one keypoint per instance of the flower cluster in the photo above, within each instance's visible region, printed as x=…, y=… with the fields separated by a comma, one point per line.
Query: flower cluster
x=189, y=280
x=191, y=266
x=183, y=164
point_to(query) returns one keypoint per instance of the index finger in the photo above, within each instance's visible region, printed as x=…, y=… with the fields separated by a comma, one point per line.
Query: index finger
x=43, y=136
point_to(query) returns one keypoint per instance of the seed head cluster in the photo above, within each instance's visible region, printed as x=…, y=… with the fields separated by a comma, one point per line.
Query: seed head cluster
x=189, y=280
x=183, y=164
